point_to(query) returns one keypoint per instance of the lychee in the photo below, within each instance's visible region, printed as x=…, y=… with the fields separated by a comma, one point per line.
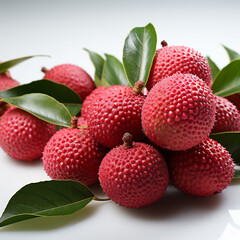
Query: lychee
x=24, y=136
x=134, y=174
x=90, y=99
x=71, y=76
x=82, y=123
x=235, y=99
x=203, y=170
x=6, y=82
x=178, y=59
x=227, y=116
x=74, y=154
x=115, y=111
x=179, y=112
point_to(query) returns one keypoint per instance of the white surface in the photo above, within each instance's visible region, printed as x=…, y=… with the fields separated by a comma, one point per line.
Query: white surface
x=62, y=29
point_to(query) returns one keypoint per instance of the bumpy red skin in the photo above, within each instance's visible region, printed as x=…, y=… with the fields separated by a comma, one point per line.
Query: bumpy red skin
x=227, y=116
x=178, y=59
x=90, y=99
x=179, y=112
x=24, y=136
x=115, y=112
x=73, y=154
x=203, y=170
x=134, y=177
x=73, y=77
x=235, y=99
x=7, y=82
x=82, y=122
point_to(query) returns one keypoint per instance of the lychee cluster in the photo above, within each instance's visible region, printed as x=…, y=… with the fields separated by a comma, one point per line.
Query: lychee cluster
x=119, y=137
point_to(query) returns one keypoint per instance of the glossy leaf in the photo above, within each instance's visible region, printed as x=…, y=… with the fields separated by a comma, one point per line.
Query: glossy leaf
x=237, y=172
x=227, y=81
x=113, y=72
x=74, y=109
x=4, y=66
x=43, y=107
x=231, y=53
x=231, y=141
x=213, y=66
x=49, y=198
x=138, y=53
x=98, y=63
x=59, y=91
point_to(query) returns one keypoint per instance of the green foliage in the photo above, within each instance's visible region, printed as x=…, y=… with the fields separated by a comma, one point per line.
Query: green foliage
x=138, y=53
x=49, y=198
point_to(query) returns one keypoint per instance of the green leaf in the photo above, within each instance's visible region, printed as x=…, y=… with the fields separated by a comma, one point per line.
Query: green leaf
x=237, y=172
x=74, y=109
x=113, y=72
x=227, y=81
x=138, y=53
x=58, y=91
x=43, y=107
x=49, y=198
x=213, y=66
x=98, y=63
x=4, y=66
x=231, y=141
x=231, y=53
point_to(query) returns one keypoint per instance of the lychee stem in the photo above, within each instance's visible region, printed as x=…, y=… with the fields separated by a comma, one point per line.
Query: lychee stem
x=44, y=70
x=83, y=127
x=74, y=122
x=127, y=140
x=138, y=87
x=7, y=74
x=164, y=43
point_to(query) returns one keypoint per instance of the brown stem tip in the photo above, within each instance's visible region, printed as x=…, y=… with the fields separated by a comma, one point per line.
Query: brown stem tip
x=74, y=122
x=127, y=140
x=44, y=70
x=164, y=43
x=138, y=87
x=7, y=74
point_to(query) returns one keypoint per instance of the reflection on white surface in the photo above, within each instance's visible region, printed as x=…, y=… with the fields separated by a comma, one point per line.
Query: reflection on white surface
x=235, y=214
x=232, y=230
x=230, y=233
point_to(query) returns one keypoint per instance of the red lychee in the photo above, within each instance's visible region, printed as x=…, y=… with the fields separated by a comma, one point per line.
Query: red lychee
x=203, y=170
x=90, y=99
x=179, y=112
x=6, y=82
x=74, y=154
x=82, y=123
x=235, y=99
x=227, y=116
x=24, y=136
x=116, y=111
x=178, y=59
x=134, y=174
x=71, y=76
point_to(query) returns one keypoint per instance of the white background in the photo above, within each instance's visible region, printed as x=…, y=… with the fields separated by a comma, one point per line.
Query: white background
x=62, y=29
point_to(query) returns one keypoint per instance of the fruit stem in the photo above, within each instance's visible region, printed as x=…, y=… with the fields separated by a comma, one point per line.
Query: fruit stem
x=164, y=43
x=74, y=122
x=127, y=140
x=138, y=87
x=101, y=199
x=44, y=70
x=7, y=74
x=83, y=127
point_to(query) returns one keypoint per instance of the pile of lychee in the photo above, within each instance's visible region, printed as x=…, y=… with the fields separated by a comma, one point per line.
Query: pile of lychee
x=134, y=142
